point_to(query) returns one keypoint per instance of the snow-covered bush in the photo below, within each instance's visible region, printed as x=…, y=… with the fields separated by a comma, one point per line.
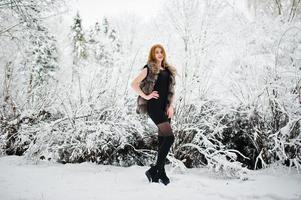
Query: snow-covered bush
x=102, y=137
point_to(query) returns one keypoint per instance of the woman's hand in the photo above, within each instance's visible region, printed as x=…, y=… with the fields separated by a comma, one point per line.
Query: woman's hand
x=170, y=111
x=153, y=94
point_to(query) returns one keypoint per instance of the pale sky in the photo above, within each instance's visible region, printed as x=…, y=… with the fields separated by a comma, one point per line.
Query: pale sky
x=92, y=10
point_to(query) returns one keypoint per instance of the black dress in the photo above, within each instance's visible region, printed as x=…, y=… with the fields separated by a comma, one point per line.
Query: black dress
x=156, y=107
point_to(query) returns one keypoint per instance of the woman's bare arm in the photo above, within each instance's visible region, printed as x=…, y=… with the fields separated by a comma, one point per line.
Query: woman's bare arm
x=136, y=82
x=172, y=101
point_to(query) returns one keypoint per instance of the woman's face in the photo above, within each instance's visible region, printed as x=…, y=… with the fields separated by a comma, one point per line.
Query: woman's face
x=158, y=54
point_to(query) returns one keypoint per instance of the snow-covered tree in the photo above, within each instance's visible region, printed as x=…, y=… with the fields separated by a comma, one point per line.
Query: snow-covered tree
x=104, y=43
x=80, y=52
x=22, y=26
x=41, y=62
x=78, y=39
x=105, y=47
x=289, y=10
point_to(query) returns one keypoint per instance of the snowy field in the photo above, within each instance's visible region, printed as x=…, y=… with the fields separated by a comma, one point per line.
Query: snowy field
x=23, y=180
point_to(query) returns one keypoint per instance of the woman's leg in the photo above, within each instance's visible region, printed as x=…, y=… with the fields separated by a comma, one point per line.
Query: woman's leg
x=166, y=139
x=165, y=135
x=161, y=136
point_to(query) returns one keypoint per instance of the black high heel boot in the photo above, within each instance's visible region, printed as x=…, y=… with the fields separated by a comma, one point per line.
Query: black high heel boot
x=163, y=151
x=163, y=177
x=152, y=174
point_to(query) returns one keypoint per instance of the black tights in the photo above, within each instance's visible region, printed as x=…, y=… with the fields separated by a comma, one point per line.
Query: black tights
x=165, y=139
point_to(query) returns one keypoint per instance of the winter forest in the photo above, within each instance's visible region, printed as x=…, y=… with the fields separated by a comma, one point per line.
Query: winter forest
x=66, y=98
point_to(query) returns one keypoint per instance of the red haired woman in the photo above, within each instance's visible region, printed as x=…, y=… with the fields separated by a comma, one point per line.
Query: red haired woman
x=155, y=86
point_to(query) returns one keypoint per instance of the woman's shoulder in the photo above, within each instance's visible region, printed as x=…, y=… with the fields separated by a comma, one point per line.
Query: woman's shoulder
x=146, y=66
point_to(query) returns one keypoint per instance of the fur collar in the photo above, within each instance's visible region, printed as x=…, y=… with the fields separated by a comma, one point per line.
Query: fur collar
x=157, y=70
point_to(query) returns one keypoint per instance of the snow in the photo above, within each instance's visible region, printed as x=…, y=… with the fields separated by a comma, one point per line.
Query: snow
x=27, y=180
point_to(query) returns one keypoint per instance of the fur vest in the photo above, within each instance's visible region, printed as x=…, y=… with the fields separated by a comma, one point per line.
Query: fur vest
x=147, y=86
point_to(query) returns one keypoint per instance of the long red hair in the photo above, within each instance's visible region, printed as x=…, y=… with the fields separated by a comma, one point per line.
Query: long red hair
x=165, y=64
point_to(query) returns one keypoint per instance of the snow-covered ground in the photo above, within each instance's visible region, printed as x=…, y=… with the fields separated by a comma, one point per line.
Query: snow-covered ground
x=22, y=179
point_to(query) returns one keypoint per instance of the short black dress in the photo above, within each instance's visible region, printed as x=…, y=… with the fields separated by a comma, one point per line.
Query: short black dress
x=156, y=107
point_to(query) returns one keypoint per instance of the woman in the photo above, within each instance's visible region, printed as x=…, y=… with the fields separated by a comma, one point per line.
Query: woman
x=155, y=86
